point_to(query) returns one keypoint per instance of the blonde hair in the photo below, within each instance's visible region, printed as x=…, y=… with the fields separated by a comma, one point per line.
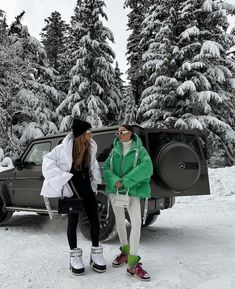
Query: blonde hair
x=81, y=151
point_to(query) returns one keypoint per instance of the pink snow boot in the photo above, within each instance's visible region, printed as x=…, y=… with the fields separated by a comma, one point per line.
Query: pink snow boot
x=135, y=268
x=121, y=259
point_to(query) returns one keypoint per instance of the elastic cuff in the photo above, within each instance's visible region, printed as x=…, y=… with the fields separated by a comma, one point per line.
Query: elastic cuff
x=125, y=249
x=132, y=260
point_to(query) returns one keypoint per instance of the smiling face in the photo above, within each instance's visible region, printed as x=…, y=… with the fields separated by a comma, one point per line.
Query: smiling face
x=123, y=134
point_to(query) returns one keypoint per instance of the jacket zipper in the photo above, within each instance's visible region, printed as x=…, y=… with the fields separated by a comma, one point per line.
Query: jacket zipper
x=122, y=165
x=123, y=160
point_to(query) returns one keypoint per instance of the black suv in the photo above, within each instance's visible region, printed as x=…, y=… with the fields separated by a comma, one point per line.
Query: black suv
x=179, y=163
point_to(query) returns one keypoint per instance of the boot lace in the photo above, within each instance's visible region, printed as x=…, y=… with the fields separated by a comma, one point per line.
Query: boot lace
x=122, y=257
x=139, y=270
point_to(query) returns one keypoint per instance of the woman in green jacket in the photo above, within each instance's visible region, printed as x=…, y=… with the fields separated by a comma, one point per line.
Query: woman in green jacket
x=128, y=168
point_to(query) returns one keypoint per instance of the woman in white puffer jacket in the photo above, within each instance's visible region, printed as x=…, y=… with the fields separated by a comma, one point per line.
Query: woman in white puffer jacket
x=74, y=160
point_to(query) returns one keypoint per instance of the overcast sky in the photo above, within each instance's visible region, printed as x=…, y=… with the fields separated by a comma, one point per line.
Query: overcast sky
x=38, y=10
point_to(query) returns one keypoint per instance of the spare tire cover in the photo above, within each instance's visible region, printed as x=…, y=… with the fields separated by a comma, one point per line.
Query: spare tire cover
x=178, y=165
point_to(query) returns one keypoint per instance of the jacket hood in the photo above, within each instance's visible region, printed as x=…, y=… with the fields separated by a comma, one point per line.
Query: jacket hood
x=136, y=143
x=69, y=137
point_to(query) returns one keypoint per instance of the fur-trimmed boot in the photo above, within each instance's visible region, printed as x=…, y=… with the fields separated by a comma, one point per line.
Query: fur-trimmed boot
x=121, y=259
x=135, y=268
x=75, y=262
x=97, y=261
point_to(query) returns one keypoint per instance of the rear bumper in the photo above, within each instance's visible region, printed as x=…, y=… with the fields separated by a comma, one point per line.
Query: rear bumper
x=157, y=204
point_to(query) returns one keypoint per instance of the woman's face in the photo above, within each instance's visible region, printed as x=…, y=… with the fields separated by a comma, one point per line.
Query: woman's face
x=123, y=134
x=88, y=135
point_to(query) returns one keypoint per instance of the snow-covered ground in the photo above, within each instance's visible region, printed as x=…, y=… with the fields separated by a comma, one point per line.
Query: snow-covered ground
x=191, y=246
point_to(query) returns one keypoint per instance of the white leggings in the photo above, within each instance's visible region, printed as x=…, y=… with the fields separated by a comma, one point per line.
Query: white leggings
x=134, y=211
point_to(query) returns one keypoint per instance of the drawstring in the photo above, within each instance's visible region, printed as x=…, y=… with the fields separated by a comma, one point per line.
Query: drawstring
x=108, y=205
x=145, y=210
x=48, y=207
x=136, y=158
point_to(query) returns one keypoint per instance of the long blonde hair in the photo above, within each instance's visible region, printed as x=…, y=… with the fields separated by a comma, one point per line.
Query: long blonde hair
x=81, y=151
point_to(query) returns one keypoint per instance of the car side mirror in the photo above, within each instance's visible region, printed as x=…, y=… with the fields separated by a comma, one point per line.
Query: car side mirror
x=18, y=164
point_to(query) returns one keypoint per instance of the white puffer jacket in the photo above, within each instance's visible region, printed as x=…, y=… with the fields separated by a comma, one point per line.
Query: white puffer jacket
x=56, y=168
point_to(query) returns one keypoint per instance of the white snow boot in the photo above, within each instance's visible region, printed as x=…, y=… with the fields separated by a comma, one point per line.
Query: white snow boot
x=97, y=261
x=75, y=261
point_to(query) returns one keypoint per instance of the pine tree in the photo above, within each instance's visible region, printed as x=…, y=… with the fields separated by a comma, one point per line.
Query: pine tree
x=55, y=40
x=190, y=75
x=135, y=49
x=91, y=95
x=35, y=97
x=119, y=82
x=120, y=90
x=128, y=107
x=3, y=27
x=10, y=77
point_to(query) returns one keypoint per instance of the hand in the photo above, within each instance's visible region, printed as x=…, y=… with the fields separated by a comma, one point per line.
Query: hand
x=118, y=185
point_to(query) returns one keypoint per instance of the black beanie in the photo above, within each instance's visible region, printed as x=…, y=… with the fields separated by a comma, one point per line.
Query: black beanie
x=79, y=127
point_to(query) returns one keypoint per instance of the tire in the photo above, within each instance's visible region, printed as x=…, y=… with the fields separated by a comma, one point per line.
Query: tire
x=4, y=216
x=178, y=166
x=151, y=218
x=107, y=226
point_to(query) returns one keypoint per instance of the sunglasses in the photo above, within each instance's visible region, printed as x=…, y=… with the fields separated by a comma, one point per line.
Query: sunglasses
x=122, y=132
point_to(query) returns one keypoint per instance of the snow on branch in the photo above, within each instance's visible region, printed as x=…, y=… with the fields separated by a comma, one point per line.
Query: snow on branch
x=230, y=8
x=185, y=87
x=207, y=6
x=190, y=32
x=212, y=48
x=165, y=79
x=204, y=98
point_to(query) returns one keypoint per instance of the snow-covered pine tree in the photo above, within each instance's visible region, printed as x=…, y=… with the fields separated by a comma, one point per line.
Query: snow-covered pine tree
x=231, y=55
x=3, y=27
x=35, y=97
x=128, y=107
x=120, y=90
x=92, y=95
x=10, y=77
x=190, y=75
x=119, y=82
x=55, y=40
x=136, y=16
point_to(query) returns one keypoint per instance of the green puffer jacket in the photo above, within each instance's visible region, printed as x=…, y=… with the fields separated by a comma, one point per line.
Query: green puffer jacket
x=133, y=170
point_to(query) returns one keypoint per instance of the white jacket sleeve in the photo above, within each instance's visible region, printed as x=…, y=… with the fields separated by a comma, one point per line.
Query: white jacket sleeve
x=55, y=177
x=95, y=172
x=95, y=169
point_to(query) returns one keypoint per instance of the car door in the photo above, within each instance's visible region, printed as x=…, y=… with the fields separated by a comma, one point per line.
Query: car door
x=27, y=180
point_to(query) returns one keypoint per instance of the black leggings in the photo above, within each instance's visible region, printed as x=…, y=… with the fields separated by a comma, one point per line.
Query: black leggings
x=90, y=207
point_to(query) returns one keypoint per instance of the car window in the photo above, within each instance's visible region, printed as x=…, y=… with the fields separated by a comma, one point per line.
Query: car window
x=37, y=152
x=105, y=144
